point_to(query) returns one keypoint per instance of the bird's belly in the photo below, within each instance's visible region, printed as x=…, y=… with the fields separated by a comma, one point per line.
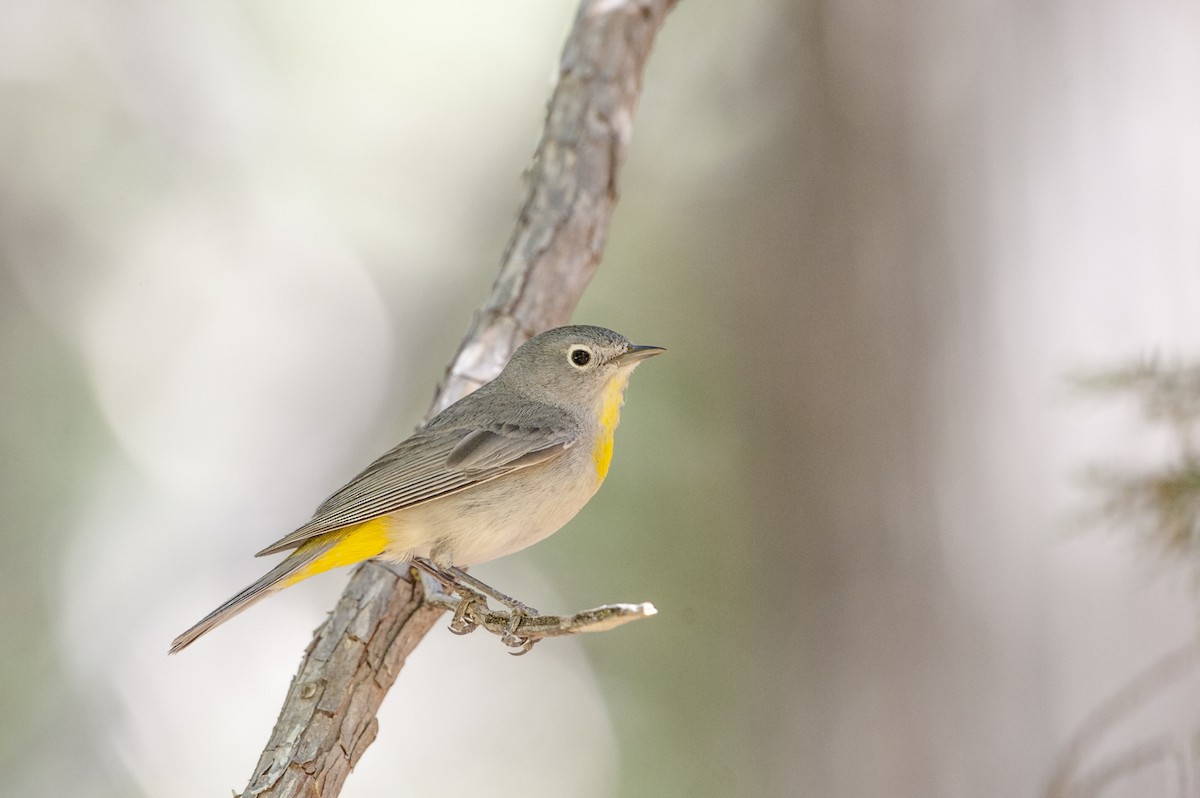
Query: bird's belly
x=493, y=519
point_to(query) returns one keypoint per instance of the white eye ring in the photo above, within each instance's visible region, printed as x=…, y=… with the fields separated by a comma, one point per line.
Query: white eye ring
x=580, y=356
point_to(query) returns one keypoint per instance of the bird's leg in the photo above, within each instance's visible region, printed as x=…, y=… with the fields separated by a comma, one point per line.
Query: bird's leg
x=460, y=624
x=488, y=590
x=427, y=565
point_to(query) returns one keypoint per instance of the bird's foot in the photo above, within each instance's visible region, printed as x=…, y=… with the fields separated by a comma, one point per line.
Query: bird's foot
x=463, y=623
x=510, y=637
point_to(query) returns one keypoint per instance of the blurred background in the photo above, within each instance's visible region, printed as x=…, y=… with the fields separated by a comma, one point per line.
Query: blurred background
x=239, y=242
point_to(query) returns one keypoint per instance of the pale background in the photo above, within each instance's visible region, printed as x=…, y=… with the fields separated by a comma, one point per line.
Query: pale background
x=240, y=241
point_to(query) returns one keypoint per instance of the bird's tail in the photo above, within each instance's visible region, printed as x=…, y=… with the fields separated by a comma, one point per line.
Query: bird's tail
x=300, y=564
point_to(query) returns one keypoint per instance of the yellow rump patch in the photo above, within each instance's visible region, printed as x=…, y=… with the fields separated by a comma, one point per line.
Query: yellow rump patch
x=354, y=544
x=610, y=416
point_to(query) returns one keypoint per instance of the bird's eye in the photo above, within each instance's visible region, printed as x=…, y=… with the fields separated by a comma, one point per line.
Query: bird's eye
x=580, y=356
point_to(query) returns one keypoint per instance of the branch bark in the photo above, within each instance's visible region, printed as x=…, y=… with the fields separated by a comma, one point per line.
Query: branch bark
x=328, y=718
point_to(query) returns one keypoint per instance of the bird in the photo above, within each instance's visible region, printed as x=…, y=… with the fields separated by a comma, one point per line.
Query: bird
x=497, y=471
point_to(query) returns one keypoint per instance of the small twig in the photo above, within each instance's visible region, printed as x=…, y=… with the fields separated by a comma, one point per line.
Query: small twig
x=536, y=627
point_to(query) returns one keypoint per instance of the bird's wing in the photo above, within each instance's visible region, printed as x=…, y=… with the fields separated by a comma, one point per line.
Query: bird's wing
x=429, y=465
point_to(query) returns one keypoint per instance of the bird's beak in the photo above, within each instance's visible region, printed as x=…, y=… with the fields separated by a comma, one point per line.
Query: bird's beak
x=636, y=354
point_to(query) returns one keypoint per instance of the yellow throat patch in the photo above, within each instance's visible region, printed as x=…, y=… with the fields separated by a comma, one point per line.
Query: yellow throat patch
x=610, y=416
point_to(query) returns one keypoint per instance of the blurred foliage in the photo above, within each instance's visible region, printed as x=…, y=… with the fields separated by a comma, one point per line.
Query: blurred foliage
x=1168, y=393
x=1161, y=504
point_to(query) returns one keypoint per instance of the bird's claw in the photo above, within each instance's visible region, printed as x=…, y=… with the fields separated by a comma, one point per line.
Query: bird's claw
x=526, y=647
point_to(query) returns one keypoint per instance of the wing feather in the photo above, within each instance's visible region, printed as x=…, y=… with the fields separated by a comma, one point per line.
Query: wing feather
x=486, y=449
x=431, y=464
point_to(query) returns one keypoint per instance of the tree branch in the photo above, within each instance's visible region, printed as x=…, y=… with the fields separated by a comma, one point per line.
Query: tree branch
x=328, y=718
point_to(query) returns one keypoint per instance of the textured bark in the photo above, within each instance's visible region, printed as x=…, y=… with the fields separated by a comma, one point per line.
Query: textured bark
x=328, y=718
